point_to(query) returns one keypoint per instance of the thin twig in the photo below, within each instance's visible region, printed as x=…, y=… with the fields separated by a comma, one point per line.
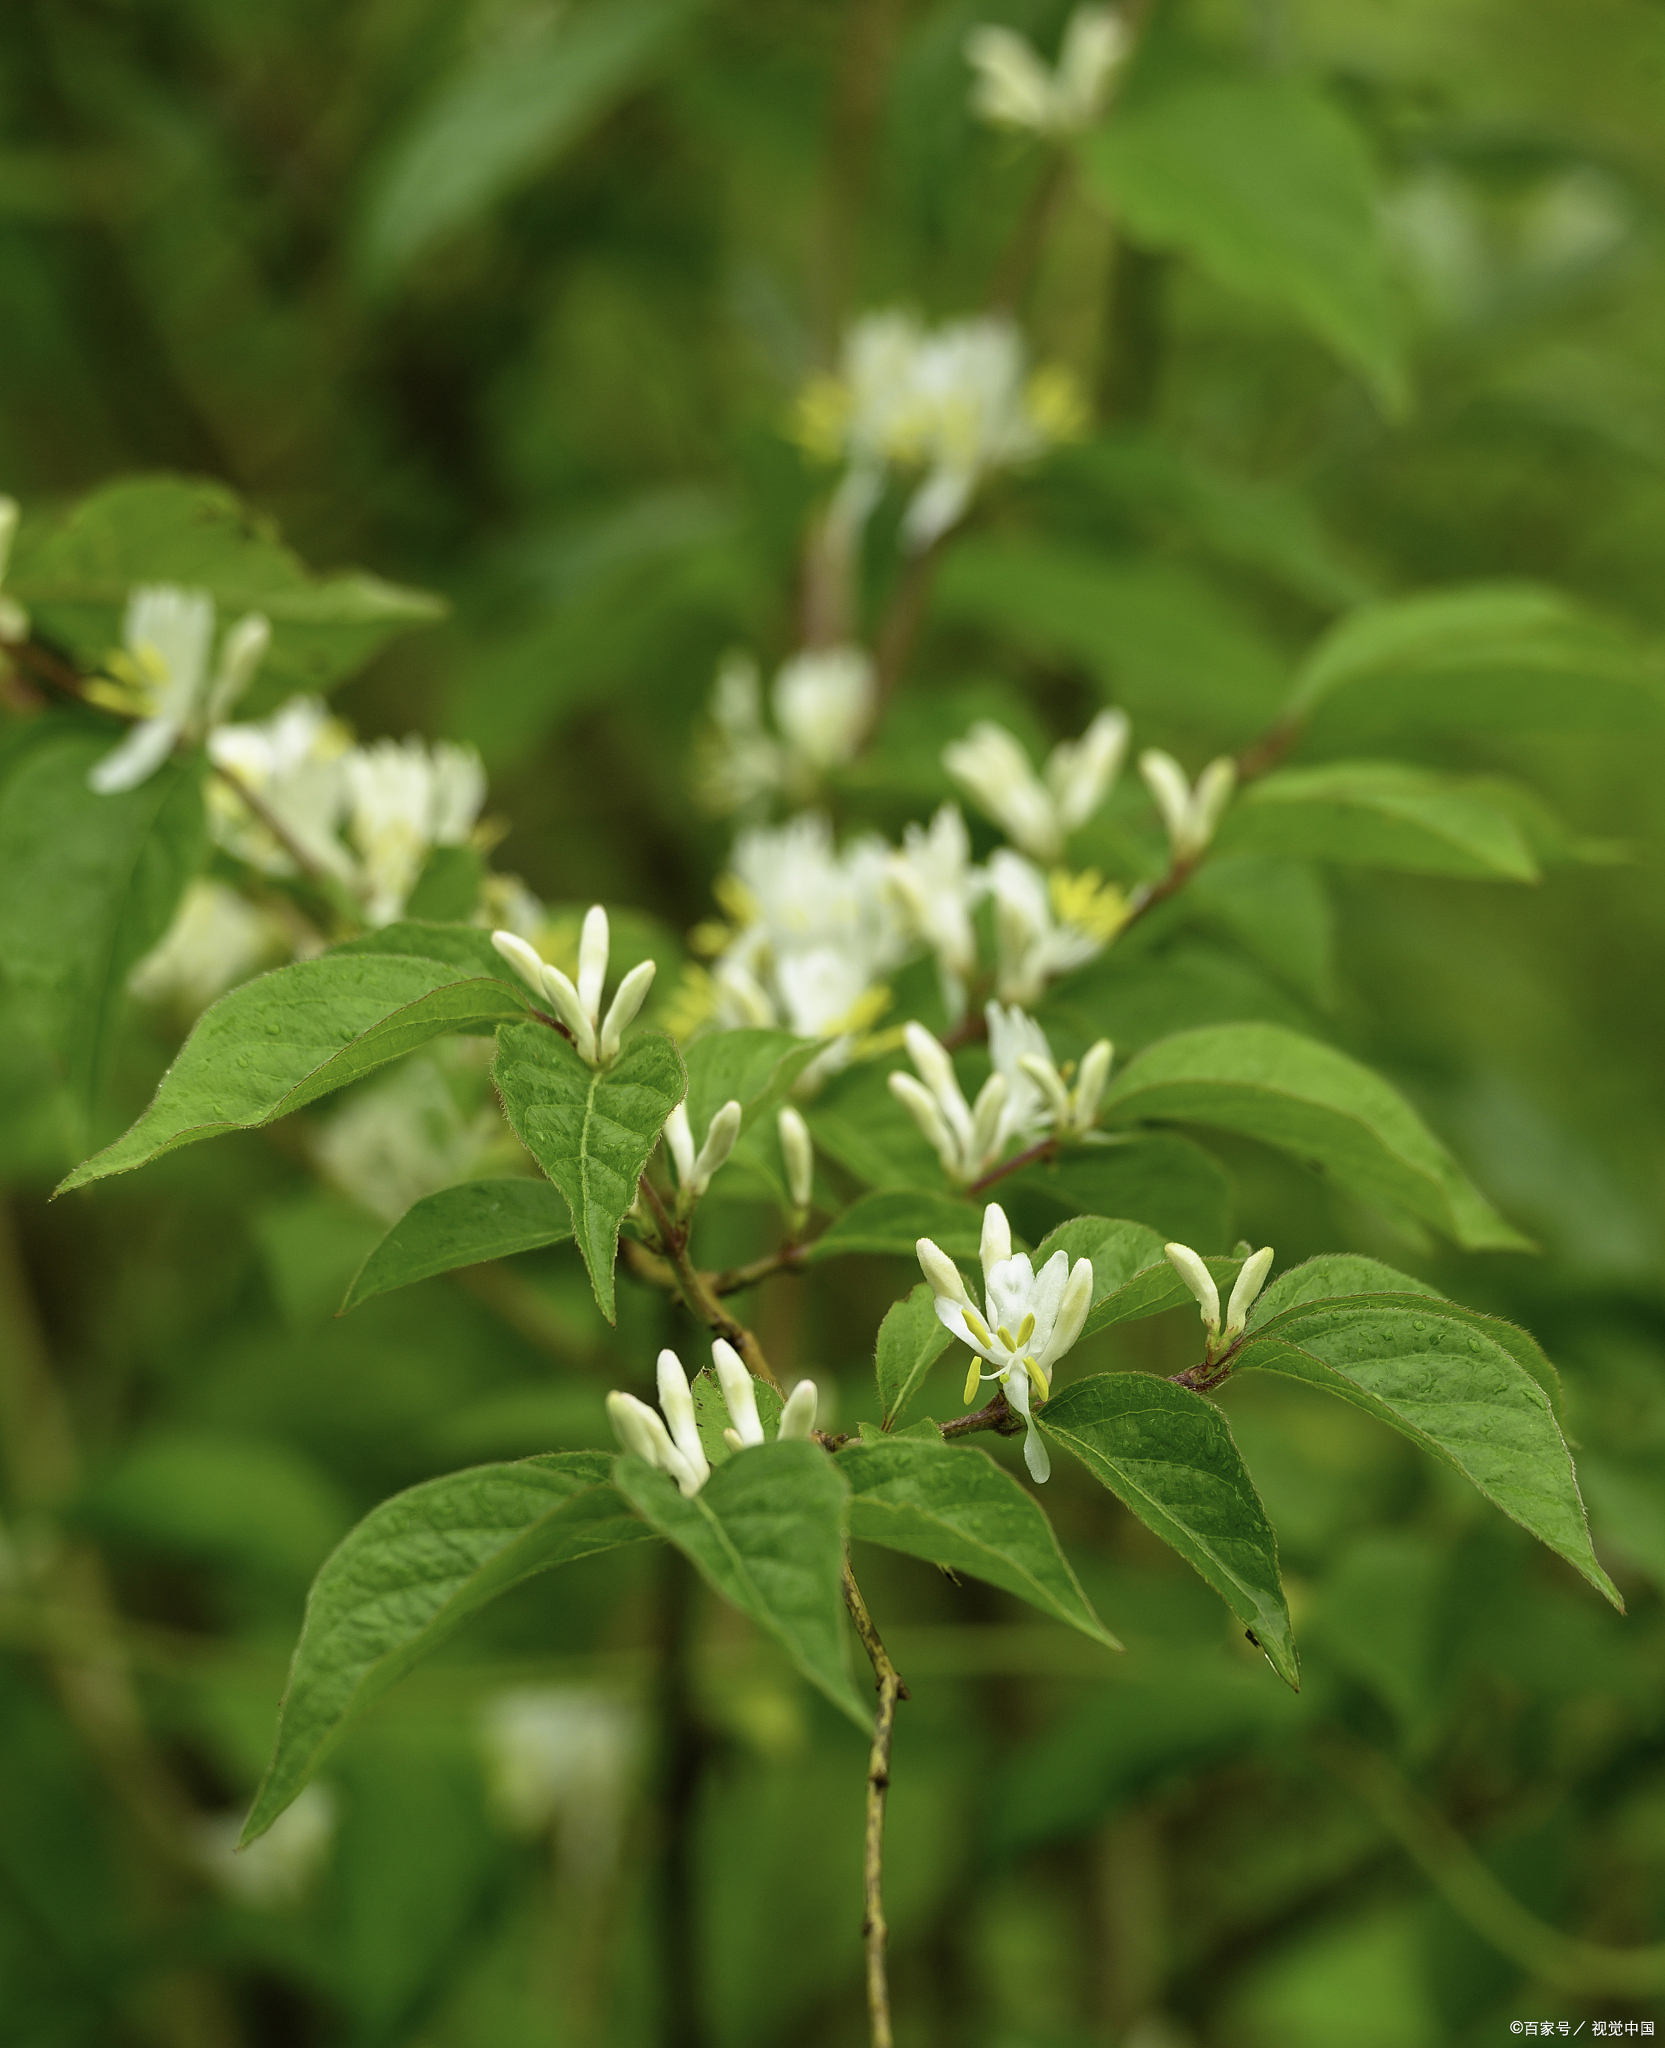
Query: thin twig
x=1043, y=1148
x=1016, y=265
x=735, y=1279
x=695, y=1288
x=874, y=1932
x=900, y=626
x=997, y=1416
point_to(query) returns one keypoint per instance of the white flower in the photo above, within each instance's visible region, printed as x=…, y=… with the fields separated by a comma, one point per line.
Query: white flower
x=968, y=1137
x=1016, y=1040
x=403, y=799
x=1033, y=947
x=428, y=1124
x=561, y=1755
x=294, y=762
x=14, y=620
x=741, y=760
x=217, y=938
x=671, y=1442
x=818, y=930
x=798, y=1154
x=1015, y=89
x=278, y=1867
x=958, y=402
x=1191, y=816
x=1251, y=1279
x=824, y=700
x=1039, y=815
x=167, y=637
x=1029, y=1319
x=694, y=1170
x=579, y=1008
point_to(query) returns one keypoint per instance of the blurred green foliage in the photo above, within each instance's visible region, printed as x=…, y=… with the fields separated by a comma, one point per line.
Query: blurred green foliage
x=512, y=303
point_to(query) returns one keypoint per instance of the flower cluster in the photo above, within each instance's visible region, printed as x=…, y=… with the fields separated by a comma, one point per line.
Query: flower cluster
x=578, y=1005
x=1015, y=88
x=823, y=702
x=1024, y=1096
x=1026, y=1323
x=670, y=1441
x=957, y=402
x=167, y=673
x=1039, y=812
x=1245, y=1292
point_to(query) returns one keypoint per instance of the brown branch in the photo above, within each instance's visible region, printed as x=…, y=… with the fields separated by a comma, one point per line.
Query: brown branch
x=1043, y=1148
x=874, y=1932
x=1016, y=265
x=734, y=1279
x=695, y=1289
x=900, y=626
x=997, y=1416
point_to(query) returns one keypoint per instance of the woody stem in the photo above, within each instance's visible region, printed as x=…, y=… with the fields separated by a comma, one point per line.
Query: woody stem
x=874, y=1932
x=697, y=1292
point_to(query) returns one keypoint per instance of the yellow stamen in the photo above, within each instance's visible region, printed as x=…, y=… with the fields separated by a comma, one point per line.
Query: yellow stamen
x=1039, y=1378
x=1026, y=1331
x=975, y=1324
x=1006, y=1337
x=972, y=1378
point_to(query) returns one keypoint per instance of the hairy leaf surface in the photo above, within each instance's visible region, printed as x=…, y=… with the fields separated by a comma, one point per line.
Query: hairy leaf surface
x=592, y=1131
x=767, y=1532
x=281, y=1041
x=412, y=1571
x=1308, y=1099
x=460, y=1226
x=1167, y=1454
x=951, y=1504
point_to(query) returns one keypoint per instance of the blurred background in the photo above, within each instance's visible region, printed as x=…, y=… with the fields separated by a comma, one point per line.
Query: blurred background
x=513, y=302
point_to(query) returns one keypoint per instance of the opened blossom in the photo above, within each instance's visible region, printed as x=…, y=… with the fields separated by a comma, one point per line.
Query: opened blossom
x=1039, y=812
x=166, y=669
x=1015, y=87
x=1190, y=814
x=1026, y=1322
x=668, y=1437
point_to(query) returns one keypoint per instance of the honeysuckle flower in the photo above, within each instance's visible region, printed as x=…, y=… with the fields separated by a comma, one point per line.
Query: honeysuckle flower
x=694, y=1170
x=797, y=1149
x=1026, y=1324
x=163, y=668
x=958, y=403
x=937, y=887
x=1033, y=946
x=968, y=1137
x=403, y=799
x=816, y=930
x=217, y=938
x=1070, y=1110
x=14, y=620
x=1039, y=812
x=1191, y=816
x=1015, y=87
x=295, y=762
x=824, y=699
x=670, y=1442
x=1245, y=1291
x=579, y=1008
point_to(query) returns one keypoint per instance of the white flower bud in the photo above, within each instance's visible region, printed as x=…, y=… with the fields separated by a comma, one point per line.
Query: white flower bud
x=798, y=1151
x=1072, y=1312
x=563, y=1000
x=738, y=1391
x=985, y=1117
x=942, y=1273
x=1248, y=1285
x=1090, y=1081
x=632, y=993
x=1200, y=1280
x=593, y=947
x=921, y=1105
x=522, y=958
x=997, y=1238
x=797, y=1419
x=719, y=1143
x=678, y=1404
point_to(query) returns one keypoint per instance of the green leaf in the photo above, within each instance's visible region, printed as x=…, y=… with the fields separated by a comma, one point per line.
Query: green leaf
x=284, y=1039
x=1326, y=1109
x=449, y=884
x=412, y=1571
x=1267, y=186
x=1278, y=911
x=515, y=102
x=1380, y=814
x=911, y=1340
x=461, y=1226
x=894, y=1220
x=1167, y=1454
x=1158, y=636
x=1513, y=656
x=1445, y=1381
x=767, y=1532
x=75, y=577
x=91, y=884
x=463, y=946
x=592, y=1131
x=1323, y=1278
x=857, y=1121
x=711, y=1414
x=951, y=1504
x=753, y=1068
x=1158, y=1179
x=1131, y=1274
